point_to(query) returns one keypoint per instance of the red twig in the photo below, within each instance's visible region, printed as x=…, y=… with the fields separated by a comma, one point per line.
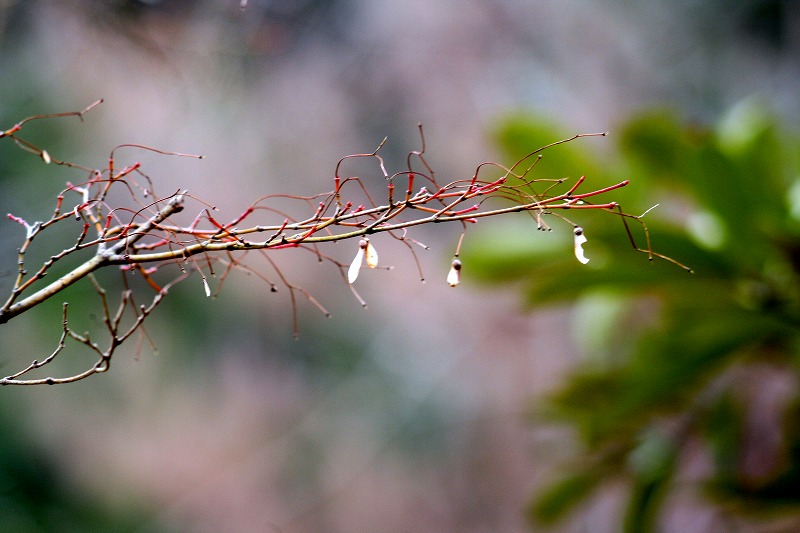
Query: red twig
x=146, y=240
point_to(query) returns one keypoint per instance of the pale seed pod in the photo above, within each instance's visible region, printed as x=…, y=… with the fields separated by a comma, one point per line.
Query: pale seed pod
x=454, y=276
x=365, y=249
x=580, y=238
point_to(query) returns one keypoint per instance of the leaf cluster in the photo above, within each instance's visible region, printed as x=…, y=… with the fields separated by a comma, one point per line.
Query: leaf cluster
x=678, y=362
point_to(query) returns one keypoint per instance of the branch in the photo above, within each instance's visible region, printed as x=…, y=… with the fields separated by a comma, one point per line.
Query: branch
x=102, y=259
x=148, y=240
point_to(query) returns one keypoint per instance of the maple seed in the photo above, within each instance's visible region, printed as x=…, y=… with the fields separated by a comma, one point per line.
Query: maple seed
x=454, y=276
x=372, y=255
x=580, y=238
x=365, y=248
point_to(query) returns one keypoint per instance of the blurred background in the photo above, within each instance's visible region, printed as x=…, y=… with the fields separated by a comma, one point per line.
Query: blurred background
x=540, y=395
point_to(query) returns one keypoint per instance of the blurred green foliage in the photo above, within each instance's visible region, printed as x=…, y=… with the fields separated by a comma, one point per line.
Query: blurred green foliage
x=676, y=362
x=36, y=494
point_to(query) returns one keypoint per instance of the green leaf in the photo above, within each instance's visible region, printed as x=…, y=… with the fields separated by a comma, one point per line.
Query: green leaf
x=519, y=135
x=655, y=143
x=560, y=498
x=730, y=211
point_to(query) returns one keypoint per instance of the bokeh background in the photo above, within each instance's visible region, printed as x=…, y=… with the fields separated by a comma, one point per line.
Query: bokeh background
x=424, y=411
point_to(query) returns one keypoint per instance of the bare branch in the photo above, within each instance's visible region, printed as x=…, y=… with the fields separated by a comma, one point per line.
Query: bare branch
x=148, y=240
